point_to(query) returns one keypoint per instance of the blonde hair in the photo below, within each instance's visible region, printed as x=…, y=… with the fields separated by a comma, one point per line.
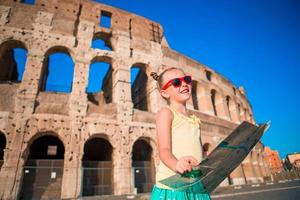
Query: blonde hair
x=159, y=78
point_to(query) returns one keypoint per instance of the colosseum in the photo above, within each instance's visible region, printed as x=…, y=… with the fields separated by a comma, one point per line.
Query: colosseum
x=67, y=139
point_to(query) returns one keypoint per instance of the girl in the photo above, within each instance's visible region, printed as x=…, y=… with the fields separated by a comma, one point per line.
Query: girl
x=178, y=135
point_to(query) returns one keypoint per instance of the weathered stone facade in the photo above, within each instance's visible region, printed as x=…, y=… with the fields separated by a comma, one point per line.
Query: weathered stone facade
x=29, y=112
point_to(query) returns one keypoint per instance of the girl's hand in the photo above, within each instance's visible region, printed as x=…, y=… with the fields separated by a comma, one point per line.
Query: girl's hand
x=185, y=164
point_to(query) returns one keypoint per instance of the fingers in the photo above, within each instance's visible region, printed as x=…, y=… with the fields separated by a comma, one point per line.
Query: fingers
x=183, y=165
x=183, y=168
x=192, y=161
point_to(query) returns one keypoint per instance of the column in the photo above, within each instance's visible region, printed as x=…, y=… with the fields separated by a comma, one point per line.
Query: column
x=248, y=170
x=12, y=169
x=122, y=164
x=122, y=91
x=78, y=99
x=205, y=104
x=221, y=107
x=256, y=166
x=235, y=115
x=71, y=180
x=28, y=90
x=237, y=176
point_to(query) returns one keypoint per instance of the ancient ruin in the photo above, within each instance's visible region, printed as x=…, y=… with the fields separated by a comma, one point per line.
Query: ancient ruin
x=70, y=140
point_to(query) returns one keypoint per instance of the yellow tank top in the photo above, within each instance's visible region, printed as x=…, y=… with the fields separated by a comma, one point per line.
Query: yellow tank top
x=185, y=142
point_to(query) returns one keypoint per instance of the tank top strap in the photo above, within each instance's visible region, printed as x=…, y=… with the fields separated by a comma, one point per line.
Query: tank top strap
x=176, y=116
x=172, y=110
x=176, y=113
x=180, y=117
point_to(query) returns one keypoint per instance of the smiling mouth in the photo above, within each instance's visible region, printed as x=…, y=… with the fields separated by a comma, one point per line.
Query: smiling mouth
x=184, y=91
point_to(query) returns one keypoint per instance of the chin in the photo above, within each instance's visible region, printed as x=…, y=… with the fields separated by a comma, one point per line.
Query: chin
x=186, y=97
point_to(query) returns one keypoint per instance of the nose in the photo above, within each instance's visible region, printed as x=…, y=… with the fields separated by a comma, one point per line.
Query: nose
x=183, y=84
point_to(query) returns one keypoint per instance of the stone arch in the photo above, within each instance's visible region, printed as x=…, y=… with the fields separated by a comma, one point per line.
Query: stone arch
x=195, y=94
x=230, y=106
x=97, y=166
x=241, y=113
x=213, y=101
x=102, y=41
x=40, y=133
x=2, y=148
x=53, y=77
x=251, y=117
x=206, y=149
x=13, y=55
x=208, y=75
x=105, y=19
x=246, y=114
x=140, y=87
x=30, y=2
x=143, y=164
x=99, y=87
x=43, y=169
x=239, y=110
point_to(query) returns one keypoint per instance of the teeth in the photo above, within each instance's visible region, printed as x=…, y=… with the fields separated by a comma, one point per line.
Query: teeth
x=184, y=91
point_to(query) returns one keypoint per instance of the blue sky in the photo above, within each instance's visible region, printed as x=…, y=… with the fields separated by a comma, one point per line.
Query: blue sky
x=253, y=43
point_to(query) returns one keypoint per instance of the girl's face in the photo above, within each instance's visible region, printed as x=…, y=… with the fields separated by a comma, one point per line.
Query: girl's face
x=179, y=94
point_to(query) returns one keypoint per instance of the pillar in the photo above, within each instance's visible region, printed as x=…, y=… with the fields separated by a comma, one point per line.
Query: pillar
x=237, y=176
x=122, y=164
x=249, y=170
x=12, y=169
x=29, y=87
x=205, y=104
x=71, y=180
x=221, y=107
x=234, y=111
x=78, y=98
x=121, y=94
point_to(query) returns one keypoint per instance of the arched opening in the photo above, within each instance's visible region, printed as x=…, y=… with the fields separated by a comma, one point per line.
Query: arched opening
x=246, y=114
x=251, y=118
x=97, y=168
x=213, y=101
x=43, y=170
x=208, y=75
x=58, y=71
x=13, y=55
x=139, y=86
x=206, y=148
x=239, y=111
x=195, y=95
x=2, y=147
x=234, y=90
x=31, y=2
x=101, y=41
x=100, y=81
x=99, y=89
x=105, y=19
x=229, y=106
x=143, y=166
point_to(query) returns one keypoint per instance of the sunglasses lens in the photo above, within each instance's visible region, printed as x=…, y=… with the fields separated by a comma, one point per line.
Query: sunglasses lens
x=187, y=79
x=176, y=82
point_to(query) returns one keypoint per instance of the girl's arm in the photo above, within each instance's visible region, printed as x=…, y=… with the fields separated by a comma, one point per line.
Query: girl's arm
x=163, y=127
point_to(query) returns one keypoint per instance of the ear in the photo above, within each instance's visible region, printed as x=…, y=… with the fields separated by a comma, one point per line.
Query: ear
x=164, y=94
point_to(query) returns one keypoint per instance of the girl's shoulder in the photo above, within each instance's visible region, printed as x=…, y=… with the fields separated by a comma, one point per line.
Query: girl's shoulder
x=165, y=113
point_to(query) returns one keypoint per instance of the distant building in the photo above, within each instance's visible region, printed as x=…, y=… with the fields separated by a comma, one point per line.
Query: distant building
x=273, y=159
x=292, y=161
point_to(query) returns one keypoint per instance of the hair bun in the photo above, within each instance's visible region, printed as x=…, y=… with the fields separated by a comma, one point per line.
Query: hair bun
x=154, y=75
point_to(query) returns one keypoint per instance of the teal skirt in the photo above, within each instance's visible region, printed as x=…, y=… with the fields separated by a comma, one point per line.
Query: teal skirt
x=165, y=194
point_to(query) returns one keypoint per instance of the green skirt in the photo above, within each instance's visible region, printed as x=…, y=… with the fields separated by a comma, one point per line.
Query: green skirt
x=165, y=194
